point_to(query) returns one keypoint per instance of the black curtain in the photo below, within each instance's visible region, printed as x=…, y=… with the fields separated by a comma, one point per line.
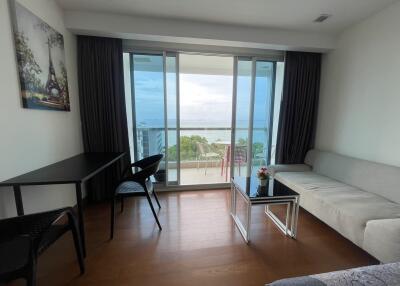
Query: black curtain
x=298, y=113
x=102, y=106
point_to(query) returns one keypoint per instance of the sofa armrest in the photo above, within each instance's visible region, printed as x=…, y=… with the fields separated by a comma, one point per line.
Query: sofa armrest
x=273, y=169
x=382, y=239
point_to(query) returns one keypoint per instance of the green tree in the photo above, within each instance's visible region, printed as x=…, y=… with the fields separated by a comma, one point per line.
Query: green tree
x=54, y=38
x=188, y=147
x=63, y=82
x=28, y=68
x=258, y=148
x=172, y=155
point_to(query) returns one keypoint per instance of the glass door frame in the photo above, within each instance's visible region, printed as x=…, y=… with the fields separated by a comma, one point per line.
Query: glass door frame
x=177, y=106
x=165, y=53
x=254, y=61
x=133, y=102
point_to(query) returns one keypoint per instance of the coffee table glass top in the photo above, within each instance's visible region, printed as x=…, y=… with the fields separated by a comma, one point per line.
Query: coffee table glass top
x=250, y=187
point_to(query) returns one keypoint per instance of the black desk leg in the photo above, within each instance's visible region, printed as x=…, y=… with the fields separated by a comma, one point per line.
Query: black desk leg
x=80, y=216
x=18, y=200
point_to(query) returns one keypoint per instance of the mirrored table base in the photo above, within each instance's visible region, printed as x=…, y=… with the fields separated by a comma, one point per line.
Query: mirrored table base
x=289, y=227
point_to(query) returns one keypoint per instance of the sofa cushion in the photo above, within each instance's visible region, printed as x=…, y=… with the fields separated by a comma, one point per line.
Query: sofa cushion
x=273, y=169
x=349, y=210
x=382, y=239
x=380, y=179
x=343, y=207
x=302, y=182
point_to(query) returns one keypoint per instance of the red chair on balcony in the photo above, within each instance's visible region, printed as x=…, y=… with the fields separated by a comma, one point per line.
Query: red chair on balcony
x=240, y=158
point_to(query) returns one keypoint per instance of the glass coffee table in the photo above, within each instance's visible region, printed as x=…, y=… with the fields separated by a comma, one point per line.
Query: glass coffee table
x=274, y=193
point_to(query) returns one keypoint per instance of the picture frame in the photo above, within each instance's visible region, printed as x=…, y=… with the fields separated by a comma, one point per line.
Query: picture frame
x=40, y=57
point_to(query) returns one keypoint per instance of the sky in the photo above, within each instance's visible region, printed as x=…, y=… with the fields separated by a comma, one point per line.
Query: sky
x=205, y=96
x=205, y=99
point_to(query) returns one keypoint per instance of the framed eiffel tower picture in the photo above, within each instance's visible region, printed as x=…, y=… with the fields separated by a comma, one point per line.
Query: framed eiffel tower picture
x=40, y=60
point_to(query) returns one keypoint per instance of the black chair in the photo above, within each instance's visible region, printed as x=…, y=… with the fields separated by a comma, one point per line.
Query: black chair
x=24, y=238
x=137, y=184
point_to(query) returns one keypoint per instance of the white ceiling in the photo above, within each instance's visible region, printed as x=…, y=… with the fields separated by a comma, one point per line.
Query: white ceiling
x=282, y=14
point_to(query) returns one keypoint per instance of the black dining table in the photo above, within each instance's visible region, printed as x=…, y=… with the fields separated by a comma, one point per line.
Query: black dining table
x=75, y=170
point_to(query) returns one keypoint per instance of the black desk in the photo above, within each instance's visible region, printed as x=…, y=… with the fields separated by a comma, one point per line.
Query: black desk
x=75, y=170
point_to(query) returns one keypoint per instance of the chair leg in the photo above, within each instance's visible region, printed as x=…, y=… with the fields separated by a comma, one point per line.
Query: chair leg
x=31, y=275
x=112, y=218
x=222, y=167
x=152, y=208
x=122, y=204
x=77, y=243
x=226, y=169
x=155, y=195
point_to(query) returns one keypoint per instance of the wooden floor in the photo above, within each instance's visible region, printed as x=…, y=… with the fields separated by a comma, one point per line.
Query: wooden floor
x=199, y=245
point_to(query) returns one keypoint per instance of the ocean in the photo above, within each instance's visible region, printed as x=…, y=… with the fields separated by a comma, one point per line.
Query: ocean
x=212, y=131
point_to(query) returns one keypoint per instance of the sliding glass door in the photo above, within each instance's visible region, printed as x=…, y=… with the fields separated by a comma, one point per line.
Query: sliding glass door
x=254, y=106
x=148, y=104
x=242, y=119
x=205, y=117
x=152, y=110
x=210, y=116
x=172, y=119
x=262, y=112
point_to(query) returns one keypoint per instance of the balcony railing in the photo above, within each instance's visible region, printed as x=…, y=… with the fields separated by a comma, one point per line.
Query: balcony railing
x=152, y=141
x=194, y=168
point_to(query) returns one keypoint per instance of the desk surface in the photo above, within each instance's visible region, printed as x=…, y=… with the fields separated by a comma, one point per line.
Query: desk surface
x=72, y=170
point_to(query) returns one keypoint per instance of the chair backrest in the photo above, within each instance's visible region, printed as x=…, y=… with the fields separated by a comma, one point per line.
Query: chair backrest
x=149, y=166
x=201, y=148
x=32, y=224
x=240, y=154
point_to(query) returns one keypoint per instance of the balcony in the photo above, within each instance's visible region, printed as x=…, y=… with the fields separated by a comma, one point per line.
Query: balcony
x=191, y=174
x=204, y=153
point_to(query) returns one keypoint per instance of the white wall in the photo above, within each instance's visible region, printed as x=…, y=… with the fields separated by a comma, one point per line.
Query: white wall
x=192, y=32
x=359, y=112
x=35, y=138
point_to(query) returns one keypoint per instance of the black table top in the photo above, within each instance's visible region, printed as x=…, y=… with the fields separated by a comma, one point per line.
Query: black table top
x=76, y=169
x=250, y=187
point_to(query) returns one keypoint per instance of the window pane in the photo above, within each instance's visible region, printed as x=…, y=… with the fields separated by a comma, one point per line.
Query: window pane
x=262, y=114
x=205, y=116
x=243, y=95
x=170, y=63
x=149, y=104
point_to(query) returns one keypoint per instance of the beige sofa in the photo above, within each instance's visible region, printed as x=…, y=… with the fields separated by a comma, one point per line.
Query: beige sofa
x=359, y=199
